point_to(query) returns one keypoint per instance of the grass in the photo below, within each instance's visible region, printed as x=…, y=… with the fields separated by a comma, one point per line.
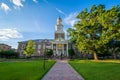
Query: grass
x=23, y=70
x=100, y=70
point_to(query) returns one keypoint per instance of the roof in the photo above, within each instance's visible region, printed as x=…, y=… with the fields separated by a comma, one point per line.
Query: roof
x=4, y=44
x=36, y=40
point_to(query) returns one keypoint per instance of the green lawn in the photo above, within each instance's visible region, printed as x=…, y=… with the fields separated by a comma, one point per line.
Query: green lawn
x=92, y=70
x=32, y=70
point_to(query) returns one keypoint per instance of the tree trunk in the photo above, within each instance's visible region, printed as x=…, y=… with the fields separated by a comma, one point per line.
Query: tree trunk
x=95, y=55
x=113, y=52
x=88, y=55
x=81, y=54
x=114, y=56
x=28, y=56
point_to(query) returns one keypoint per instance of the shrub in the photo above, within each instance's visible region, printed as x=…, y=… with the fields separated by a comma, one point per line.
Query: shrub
x=49, y=52
x=71, y=53
x=9, y=54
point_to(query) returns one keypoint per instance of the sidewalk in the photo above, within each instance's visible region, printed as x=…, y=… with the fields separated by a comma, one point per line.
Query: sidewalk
x=62, y=71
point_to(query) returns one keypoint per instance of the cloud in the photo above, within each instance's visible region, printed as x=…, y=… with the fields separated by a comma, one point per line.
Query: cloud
x=71, y=19
x=17, y=3
x=36, y=1
x=6, y=34
x=60, y=11
x=5, y=7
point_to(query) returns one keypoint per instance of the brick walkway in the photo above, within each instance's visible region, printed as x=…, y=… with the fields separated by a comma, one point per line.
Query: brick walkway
x=62, y=71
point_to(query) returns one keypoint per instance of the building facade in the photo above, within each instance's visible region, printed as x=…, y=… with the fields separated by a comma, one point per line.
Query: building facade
x=59, y=45
x=38, y=46
x=4, y=47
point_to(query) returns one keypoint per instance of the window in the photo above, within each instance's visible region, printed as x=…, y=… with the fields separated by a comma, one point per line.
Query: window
x=54, y=46
x=23, y=46
x=39, y=51
x=34, y=46
x=39, y=46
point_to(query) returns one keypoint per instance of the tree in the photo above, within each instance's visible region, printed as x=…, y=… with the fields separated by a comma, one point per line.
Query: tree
x=71, y=53
x=0, y=49
x=8, y=54
x=49, y=52
x=114, y=47
x=29, y=48
x=103, y=52
x=95, y=28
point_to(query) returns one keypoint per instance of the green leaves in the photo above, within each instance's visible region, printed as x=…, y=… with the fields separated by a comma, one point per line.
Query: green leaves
x=95, y=27
x=49, y=52
x=29, y=48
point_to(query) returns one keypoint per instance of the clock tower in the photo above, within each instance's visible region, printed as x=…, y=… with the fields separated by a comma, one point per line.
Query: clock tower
x=59, y=33
x=59, y=44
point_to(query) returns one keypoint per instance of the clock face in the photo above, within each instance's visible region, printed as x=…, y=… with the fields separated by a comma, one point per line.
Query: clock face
x=60, y=28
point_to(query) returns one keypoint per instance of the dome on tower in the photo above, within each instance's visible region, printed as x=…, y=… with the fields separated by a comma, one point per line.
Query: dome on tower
x=59, y=20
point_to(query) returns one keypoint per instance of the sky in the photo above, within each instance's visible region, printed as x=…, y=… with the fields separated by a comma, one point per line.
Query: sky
x=22, y=20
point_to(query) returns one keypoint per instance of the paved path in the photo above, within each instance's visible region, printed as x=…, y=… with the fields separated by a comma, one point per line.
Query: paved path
x=62, y=71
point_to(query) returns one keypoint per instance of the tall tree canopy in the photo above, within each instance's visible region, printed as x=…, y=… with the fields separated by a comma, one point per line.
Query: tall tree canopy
x=29, y=48
x=95, y=28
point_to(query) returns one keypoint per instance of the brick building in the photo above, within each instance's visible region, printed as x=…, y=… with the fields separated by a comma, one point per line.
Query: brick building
x=4, y=47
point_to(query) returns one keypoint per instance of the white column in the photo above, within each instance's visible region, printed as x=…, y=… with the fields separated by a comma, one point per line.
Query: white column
x=53, y=50
x=56, y=49
x=63, y=50
x=67, y=49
